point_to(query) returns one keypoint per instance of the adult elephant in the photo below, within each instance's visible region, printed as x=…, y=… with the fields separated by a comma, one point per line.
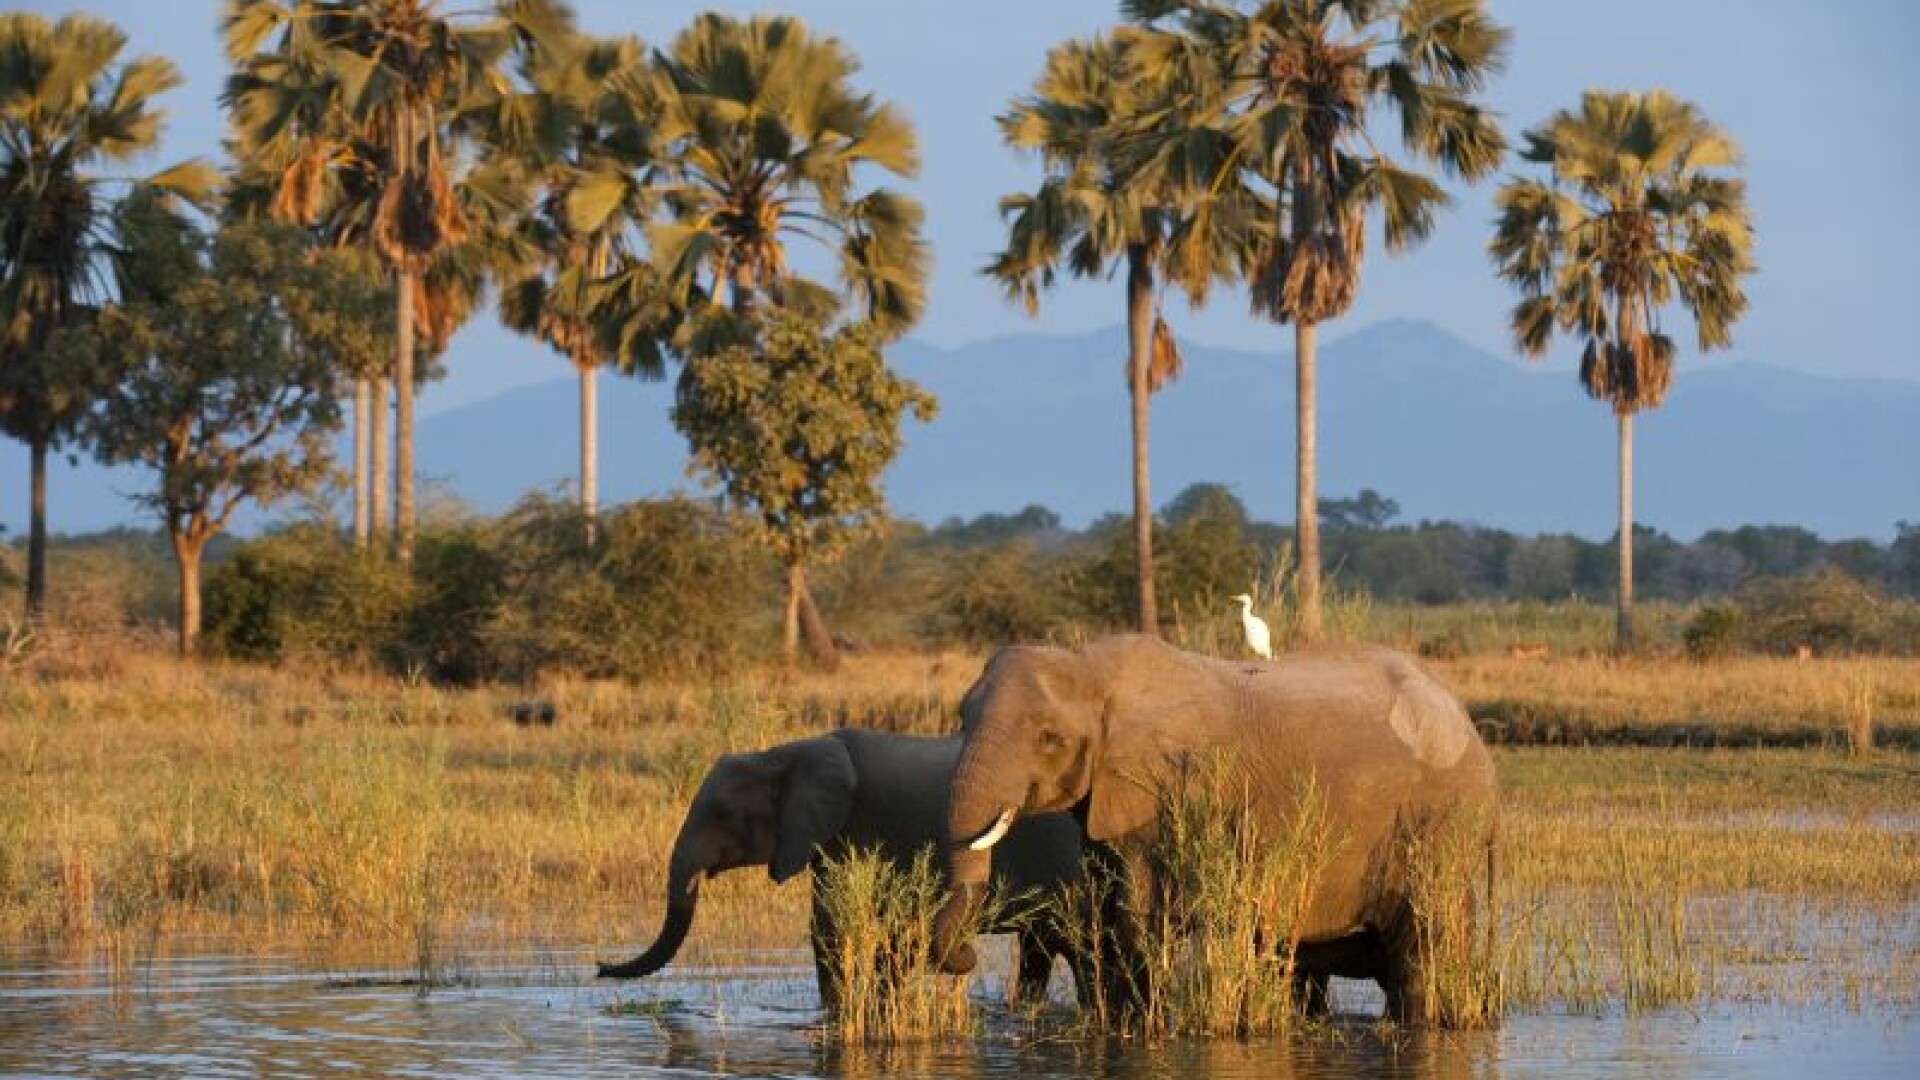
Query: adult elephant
x=790, y=806
x=1103, y=730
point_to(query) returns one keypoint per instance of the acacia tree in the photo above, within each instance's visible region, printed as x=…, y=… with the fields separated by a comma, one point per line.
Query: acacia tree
x=1285, y=95
x=1096, y=210
x=796, y=420
x=225, y=353
x=1638, y=212
x=362, y=110
x=65, y=110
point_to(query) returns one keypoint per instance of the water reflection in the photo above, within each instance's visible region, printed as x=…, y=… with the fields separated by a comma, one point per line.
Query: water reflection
x=531, y=1013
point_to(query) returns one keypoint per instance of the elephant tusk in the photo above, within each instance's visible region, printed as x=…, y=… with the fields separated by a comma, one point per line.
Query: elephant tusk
x=994, y=834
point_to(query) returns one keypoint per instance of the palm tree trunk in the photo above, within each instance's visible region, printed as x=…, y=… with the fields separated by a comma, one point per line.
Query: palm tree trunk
x=403, y=424
x=1139, y=357
x=1623, y=626
x=589, y=449
x=1306, y=508
x=362, y=489
x=187, y=552
x=379, y=475
x=37, y=533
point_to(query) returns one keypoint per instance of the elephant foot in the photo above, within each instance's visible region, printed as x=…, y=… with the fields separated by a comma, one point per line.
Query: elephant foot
x=1036, y=971
x=1313, y=993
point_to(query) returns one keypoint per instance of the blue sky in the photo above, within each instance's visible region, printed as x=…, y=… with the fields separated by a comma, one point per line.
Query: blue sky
x=1821, y=97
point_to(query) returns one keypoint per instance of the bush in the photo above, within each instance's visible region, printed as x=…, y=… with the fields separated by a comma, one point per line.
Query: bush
x=1826, y=612
x=305, y=592
x=666, y=590
x=1001, y=595
x=669, y=588
x=1713, y=632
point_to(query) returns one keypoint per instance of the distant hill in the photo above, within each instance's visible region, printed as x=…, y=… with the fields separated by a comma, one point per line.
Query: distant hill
x=1448, y=430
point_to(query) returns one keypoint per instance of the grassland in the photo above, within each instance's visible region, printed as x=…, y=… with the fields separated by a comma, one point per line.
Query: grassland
x=141, y=799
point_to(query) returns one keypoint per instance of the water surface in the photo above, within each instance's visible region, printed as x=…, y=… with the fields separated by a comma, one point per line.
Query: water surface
x=530, y=1011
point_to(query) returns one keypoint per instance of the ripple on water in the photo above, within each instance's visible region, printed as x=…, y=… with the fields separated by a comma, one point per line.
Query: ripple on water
x=525, y=1012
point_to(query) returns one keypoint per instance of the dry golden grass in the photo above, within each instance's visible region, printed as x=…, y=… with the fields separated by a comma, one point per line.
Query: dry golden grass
x=1829, y=694
x=140, y=797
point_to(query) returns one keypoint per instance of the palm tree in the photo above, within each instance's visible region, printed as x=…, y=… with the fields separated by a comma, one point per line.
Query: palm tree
x=1286, y=93
x=1637, y=211
x=65, y=109
x=762, y=141
x=369, y=99
x=585, y=128
x=1094, y=212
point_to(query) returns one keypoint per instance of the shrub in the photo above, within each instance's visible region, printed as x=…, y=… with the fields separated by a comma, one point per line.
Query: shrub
x=999, y=595
x=304, y=592
x=669, y=588
x=1713, y=632
x=665, y=590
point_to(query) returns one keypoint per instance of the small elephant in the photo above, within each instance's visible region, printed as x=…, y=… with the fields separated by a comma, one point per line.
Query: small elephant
x=790, y=806
x=1104, y=729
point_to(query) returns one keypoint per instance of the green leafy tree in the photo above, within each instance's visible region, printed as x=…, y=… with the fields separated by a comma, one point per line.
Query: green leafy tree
x=225, y=352
x=1095, y=211
x=1367, y=510
x=796, y=420
x=66, y=109
x=1903, y=559
x=361, y=113
x=1638, y=211
x=763, y=141
x=1287, y=96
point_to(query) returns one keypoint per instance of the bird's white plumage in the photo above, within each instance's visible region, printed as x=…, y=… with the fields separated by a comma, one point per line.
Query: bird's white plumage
x=1255, y=628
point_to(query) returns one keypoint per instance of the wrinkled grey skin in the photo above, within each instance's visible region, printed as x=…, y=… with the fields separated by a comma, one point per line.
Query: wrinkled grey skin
x=789, y=806
x=1100, y=730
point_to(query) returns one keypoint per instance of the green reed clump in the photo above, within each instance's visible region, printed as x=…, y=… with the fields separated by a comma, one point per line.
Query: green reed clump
x=1452, y=879
x=1225, y=906
x=1859, y=715
x=881, y=971
x=1648, y=904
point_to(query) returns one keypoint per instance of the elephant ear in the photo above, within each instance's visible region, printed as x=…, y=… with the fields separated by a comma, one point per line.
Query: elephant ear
x=815, y=800
x=1127, y=778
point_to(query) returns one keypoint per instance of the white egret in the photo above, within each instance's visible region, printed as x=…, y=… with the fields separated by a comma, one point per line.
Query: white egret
x=1258, y=639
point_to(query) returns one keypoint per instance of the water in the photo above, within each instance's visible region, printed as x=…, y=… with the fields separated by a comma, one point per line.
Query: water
x=532, y=1012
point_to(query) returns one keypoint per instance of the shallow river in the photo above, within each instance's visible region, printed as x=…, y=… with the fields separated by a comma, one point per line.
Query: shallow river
x=532, y=1012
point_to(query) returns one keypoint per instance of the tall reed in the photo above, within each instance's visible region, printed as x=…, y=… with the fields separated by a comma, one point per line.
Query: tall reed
x=880, y=965
x=1200, y=940
x=1453, y=886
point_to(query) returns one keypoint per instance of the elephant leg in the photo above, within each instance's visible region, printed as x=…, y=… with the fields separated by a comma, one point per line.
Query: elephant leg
x=1312, y=992
x=1034, y=963
x=1401, y=979
x=825, y=941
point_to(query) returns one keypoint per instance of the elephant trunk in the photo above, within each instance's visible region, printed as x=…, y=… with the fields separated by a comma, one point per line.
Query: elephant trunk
x=683, y=895
x=979, y=813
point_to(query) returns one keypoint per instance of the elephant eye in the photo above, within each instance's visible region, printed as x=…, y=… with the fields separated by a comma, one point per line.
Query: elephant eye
x=1051, y=740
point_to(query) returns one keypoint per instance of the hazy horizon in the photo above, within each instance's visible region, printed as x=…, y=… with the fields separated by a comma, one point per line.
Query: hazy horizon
x=1795, y=85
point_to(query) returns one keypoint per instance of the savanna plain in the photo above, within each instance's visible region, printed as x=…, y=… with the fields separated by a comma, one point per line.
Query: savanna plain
x=191, y=856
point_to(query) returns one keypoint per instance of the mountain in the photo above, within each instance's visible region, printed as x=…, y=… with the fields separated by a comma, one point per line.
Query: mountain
x=1447, y=429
